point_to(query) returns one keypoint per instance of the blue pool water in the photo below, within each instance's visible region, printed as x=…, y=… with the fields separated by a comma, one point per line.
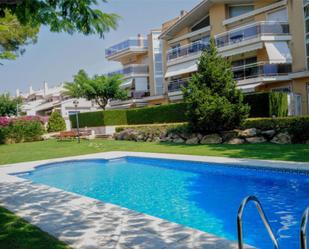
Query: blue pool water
x=199, y=195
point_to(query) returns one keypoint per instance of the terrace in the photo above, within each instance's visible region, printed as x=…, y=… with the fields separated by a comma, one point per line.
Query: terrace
x=135, y=45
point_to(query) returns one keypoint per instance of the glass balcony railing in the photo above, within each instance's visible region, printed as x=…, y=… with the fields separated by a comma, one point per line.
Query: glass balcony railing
x=139, y=94
x=251, y=31
x=261, y=69
x=176, y=85
x=138, y=42
x=187, y=50
x=250, y=71
x=134, y=69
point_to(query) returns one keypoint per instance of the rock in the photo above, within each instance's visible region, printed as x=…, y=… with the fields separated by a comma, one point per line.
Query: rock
x=193, y=140
x=282, y=138
x=178, y=141
x=156, y=139
x=140, y=137
x=248, y=133
x=307, y=142
x=229, y=135
x=256, y=140
x=269, y=133
x=211, y=139
x=236, y=141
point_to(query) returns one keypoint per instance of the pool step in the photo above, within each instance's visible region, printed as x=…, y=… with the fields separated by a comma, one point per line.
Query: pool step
x=303, y=230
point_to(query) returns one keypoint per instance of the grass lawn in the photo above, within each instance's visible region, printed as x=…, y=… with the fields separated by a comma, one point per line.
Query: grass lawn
x=19, y=234
x=53, y=149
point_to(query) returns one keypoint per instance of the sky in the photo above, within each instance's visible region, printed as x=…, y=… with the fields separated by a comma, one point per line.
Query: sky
x=56, y=57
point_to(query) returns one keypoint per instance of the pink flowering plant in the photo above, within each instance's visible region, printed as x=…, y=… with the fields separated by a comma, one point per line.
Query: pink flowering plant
x=21, y=129
x=4, y=121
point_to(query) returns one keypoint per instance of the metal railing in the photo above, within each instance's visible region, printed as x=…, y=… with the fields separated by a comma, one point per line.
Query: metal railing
x=133, y=69
x=190, y=49
x=176, y=85
x=252, y=31
x=303, y=229
x=262, y=215
x=261, y=69
x=137, y=42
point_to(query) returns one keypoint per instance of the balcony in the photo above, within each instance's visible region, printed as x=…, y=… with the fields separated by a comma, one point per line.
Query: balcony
x=252, y=31
x=176, y=85
x=187, y=50
x=133, y=45
x=261, y=69
x=132, y=70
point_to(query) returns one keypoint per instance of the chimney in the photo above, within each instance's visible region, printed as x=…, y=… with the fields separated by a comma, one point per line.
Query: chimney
x=17, y=93
x=45, y=88
x=182, y=13
x=30, y=90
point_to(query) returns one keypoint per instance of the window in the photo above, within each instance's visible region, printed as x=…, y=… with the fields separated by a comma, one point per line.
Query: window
x=202, y=24
x=278, y=15
x=285, y=89
x=237, y=10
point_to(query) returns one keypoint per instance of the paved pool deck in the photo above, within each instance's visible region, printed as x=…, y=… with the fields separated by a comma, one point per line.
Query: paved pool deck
x=87, y=223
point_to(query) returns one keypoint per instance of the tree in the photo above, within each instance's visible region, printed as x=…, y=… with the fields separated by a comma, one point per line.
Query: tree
x=13, y=36
x=20, y=21
x=55, y=122
x=61, y=15
x=100, y=88
x=8, y=105
x=214, y=103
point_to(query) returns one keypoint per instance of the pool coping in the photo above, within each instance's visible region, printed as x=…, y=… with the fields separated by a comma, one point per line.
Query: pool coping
x=83, y=222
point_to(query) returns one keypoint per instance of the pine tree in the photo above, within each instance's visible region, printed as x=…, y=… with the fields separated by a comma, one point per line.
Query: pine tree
x=55, y=122
x=214, y=103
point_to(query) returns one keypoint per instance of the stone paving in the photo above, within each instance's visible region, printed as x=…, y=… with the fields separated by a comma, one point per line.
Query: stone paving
x=87, y=223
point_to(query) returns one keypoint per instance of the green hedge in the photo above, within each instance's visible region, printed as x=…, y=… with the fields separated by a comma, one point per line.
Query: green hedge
x=267, y=104
x=172, y=113
x=262, y=105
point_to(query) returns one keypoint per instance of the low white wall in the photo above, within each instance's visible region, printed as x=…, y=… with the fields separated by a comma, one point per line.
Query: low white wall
x=103, y=130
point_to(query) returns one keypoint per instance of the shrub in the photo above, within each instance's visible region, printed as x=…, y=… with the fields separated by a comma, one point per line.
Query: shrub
x=278, y=104
x=172, y=113
x=267, y=104
x=56, y=122
x=23, y=131
x=213, y=102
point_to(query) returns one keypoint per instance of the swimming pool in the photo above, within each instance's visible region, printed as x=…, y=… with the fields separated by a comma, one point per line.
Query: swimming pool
x=204, y=196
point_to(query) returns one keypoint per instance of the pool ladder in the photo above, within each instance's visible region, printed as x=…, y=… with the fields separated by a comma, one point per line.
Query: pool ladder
x=263, y=217
x=303, y=230
x=303, y=225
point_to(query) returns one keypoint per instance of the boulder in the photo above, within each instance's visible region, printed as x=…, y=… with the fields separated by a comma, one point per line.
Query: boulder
x=156, y=139
x=178, y=141
x=282, y=138
x=256, y=140
x=212, y=139
x=269, y=133
x=193, y=140
x=307, y=142
x=236, y=141
x=229, y=135
x=248, y=133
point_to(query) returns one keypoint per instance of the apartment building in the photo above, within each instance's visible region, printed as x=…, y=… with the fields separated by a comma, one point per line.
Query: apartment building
x=267, y=42
x=142, y=69
x=44, y=101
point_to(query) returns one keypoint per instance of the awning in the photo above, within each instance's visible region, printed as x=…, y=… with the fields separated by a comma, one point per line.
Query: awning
x=182, y=68
x=249, y=88
x=241, y=49
x=127, y=84
x=278, y=52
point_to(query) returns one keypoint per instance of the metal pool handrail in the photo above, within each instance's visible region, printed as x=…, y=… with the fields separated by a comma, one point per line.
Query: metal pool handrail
x=263, y=217
x=303, y=229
